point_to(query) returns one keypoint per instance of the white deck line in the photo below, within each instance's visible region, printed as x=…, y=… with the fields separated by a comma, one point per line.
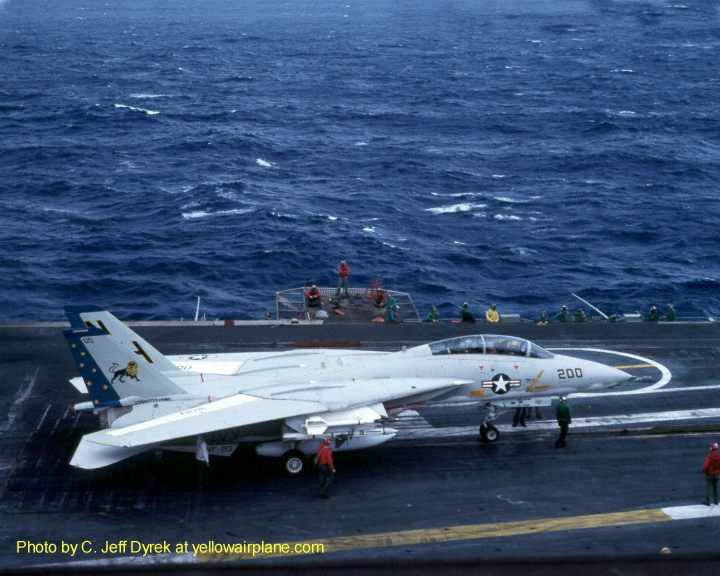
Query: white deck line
x=691, y=512
x=665, y=377
x=419, y=429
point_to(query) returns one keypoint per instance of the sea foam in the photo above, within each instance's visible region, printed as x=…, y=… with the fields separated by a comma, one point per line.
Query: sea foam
x=136, y=109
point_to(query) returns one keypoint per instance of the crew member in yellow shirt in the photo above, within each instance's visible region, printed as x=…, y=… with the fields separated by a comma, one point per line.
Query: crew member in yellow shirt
x=492, y=315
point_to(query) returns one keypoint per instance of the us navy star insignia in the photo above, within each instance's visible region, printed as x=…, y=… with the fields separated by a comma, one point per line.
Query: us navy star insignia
x=501, y=384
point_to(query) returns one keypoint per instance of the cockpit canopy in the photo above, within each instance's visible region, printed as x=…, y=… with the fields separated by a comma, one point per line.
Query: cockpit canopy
x=489, y=344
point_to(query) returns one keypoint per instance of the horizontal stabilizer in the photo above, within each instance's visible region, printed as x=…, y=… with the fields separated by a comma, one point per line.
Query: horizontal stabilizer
x=231, y=412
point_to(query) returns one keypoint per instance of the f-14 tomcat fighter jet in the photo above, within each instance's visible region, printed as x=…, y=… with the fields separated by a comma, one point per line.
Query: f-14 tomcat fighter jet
x=286, y=402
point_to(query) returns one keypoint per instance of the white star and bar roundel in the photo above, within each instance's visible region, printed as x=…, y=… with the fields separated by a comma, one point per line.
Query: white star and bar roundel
x=501, y=383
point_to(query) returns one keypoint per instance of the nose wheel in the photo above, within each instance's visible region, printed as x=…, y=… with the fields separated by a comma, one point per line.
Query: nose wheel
x=489, y=434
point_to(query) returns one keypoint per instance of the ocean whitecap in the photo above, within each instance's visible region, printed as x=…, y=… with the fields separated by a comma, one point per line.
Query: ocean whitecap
x=510, y=200
x=456, y=194
x=454, y=208
x=136, y=109
x=507, y=217
x=263, y=163
x=143, y=96
x=523, y=251
x=197, y=214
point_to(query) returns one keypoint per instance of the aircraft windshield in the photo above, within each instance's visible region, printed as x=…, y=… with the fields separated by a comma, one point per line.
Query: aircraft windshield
x=489, y=344
x=539, y=352
x=506, y=345
x=460, y=345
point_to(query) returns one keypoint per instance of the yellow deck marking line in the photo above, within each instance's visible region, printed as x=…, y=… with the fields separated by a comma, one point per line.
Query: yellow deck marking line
x=466, y=532
x=626, y=366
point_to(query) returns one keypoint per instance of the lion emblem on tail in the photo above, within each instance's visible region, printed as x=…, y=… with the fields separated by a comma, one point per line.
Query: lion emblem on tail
x=130, y=371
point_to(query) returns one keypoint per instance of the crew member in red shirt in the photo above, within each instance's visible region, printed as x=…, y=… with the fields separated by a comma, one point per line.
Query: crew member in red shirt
x=326, y=467
x=379, y=298
x=313, y=300
x=343, y=273
x=712, y=472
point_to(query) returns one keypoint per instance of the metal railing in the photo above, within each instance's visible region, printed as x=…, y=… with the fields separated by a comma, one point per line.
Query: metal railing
x=290, y=303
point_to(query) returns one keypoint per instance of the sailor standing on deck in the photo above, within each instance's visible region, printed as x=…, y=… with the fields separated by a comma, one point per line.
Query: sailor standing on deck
x=563, y=419
x=711, y=467
x=343, y=273
x=326, y=467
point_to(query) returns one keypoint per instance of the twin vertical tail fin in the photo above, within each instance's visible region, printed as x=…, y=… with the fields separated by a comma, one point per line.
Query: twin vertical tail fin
x=115, y=363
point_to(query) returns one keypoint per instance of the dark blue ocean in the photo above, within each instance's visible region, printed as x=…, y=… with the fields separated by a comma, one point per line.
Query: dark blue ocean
x=508, y=151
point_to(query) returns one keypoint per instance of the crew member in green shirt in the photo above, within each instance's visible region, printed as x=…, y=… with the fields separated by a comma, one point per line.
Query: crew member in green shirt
x=670, y=315
x=563, y=419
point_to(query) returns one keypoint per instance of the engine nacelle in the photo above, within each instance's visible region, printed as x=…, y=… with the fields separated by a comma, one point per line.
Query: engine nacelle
x=342, y=442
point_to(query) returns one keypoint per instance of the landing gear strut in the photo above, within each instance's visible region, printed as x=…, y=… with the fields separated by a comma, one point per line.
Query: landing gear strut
x=488, y=432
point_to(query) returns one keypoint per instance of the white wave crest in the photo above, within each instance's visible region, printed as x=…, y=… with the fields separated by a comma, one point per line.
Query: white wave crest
x=227, y=194
x=455, y=208
x=197, y=214
x=263, y=163
x=523, y=251
x=510, y=200
x=143, y=96
x=507, y=217
x=136, y=109
x=456, y=194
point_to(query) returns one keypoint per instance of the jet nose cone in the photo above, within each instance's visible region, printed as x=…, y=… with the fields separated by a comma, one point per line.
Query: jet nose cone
x=614, y=377
x=623, y=376
x=606, y=376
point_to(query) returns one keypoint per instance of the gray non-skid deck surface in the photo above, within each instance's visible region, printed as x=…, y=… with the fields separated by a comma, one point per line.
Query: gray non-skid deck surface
x=406, y=484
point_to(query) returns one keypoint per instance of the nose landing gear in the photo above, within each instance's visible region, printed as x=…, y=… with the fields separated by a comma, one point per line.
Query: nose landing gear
x=489, y=434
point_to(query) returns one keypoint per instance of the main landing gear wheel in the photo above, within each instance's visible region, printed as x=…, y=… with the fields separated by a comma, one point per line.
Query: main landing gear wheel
x=294, y=462
x=489, y=434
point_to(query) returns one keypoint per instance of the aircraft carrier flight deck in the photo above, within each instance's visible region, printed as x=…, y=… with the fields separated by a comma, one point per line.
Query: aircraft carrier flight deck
x=629, y=485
